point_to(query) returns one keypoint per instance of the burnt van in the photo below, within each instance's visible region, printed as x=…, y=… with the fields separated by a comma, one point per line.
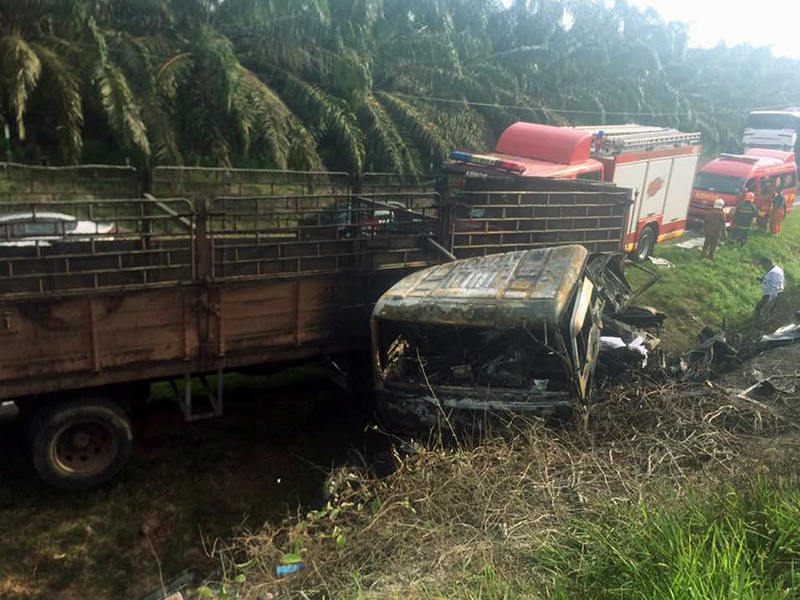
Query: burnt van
x=515, y=332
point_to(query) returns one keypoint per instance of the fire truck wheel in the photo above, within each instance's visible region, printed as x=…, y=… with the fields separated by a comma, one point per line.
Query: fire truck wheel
x=645, y=245
x=81, y=444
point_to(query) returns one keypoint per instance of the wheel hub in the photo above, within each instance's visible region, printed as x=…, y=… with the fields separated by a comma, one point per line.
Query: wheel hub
x=84, y=448
x=81, y=440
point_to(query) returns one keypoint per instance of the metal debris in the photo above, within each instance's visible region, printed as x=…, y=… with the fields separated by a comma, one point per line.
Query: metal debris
x=691, y=243
x=661, y=262
x=173, y=589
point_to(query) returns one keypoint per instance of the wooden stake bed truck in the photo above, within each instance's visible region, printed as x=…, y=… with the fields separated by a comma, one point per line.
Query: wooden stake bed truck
x=98, y=298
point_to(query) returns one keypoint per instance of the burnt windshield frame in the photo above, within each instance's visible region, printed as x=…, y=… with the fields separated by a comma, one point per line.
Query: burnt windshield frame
x=486, y=357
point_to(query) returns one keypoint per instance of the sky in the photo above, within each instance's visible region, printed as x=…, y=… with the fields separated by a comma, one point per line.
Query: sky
x=771, y=23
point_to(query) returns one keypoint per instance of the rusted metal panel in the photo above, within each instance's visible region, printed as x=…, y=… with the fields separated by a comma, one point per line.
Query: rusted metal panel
x=524, y=288
x=488, y=222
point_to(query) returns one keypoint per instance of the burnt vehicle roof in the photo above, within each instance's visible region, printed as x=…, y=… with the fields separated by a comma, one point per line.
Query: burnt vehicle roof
x=501, y=290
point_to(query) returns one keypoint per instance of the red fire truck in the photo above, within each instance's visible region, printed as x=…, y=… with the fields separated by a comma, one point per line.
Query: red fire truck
x=657, y=163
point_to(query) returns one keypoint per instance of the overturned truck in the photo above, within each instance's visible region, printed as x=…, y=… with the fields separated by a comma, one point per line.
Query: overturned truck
x=517, y=332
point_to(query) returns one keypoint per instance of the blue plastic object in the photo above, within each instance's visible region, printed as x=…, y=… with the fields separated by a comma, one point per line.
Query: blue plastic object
x=282, y=570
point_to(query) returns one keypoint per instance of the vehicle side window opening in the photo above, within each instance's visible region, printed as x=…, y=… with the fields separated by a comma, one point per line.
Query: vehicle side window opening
x=581, y=323
x=465, y=211
x=35, y=228
x=766, y=186
x=591, y=175
x=789, y=180
x=750, y=186
x=450, y=355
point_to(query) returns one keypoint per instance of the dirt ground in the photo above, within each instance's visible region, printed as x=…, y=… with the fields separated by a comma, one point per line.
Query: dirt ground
x=187, y=488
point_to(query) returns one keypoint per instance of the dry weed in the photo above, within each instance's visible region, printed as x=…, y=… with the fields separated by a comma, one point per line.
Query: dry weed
x=444, y=509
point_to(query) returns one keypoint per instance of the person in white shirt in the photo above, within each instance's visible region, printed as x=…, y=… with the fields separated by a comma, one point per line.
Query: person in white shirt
x=772, y=284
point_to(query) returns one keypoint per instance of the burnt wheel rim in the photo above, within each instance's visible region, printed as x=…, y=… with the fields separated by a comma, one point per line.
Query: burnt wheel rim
x=84, y=449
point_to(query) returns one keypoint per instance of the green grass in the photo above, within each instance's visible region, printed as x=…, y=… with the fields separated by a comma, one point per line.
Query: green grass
x=741, y=544
x=724, y=545
x=698, y=292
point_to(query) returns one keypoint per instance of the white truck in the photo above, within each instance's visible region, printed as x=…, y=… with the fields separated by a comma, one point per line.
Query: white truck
x=772, y=129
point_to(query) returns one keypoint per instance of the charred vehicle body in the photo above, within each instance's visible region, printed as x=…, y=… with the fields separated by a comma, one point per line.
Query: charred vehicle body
x=516, y=332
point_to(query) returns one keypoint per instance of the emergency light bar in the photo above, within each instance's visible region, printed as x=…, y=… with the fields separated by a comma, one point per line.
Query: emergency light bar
x=485, y=160
x=741, y=158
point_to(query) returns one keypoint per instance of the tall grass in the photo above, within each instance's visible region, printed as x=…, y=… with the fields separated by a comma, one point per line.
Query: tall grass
x=733, y=544
x=726, y=545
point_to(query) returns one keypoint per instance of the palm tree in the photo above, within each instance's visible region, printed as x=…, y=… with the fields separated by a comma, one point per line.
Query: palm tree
x=36, y=56
x=382, y=85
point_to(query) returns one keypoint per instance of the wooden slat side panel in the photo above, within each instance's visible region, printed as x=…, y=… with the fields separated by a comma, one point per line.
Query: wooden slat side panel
x=45, y=340
x=39, y=339
x=145, y=327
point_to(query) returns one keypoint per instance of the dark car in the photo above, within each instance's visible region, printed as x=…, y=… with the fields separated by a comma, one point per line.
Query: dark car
x=356, y=217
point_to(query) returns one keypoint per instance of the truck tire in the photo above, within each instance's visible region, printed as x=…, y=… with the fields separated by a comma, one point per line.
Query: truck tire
x=81, y=444
x=645, y=244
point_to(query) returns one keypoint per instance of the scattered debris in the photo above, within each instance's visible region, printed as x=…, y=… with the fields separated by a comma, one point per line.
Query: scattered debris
x=786, y=334
x=772, y=374
x=661, y=262
x=283, y=570
x=636, y=348
x=188, y=580
x=713, y=351
x=691, y=243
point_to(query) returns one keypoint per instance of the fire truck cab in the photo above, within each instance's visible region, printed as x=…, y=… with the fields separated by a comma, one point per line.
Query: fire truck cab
x=657, y=163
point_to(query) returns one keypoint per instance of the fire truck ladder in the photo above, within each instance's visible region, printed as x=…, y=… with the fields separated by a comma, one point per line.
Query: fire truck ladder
x=622, y=139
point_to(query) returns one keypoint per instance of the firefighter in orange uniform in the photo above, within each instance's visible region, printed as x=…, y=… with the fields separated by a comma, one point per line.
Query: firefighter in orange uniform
x=777, y=212
x=713, y=228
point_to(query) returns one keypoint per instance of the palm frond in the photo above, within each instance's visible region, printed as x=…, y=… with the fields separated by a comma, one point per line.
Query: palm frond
x=424, y=131
x=289, y=142
x=64, y=90
x=20, y=70
x=384, y=142
x=172, y=73
x=331, y=115
x=121, y=109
